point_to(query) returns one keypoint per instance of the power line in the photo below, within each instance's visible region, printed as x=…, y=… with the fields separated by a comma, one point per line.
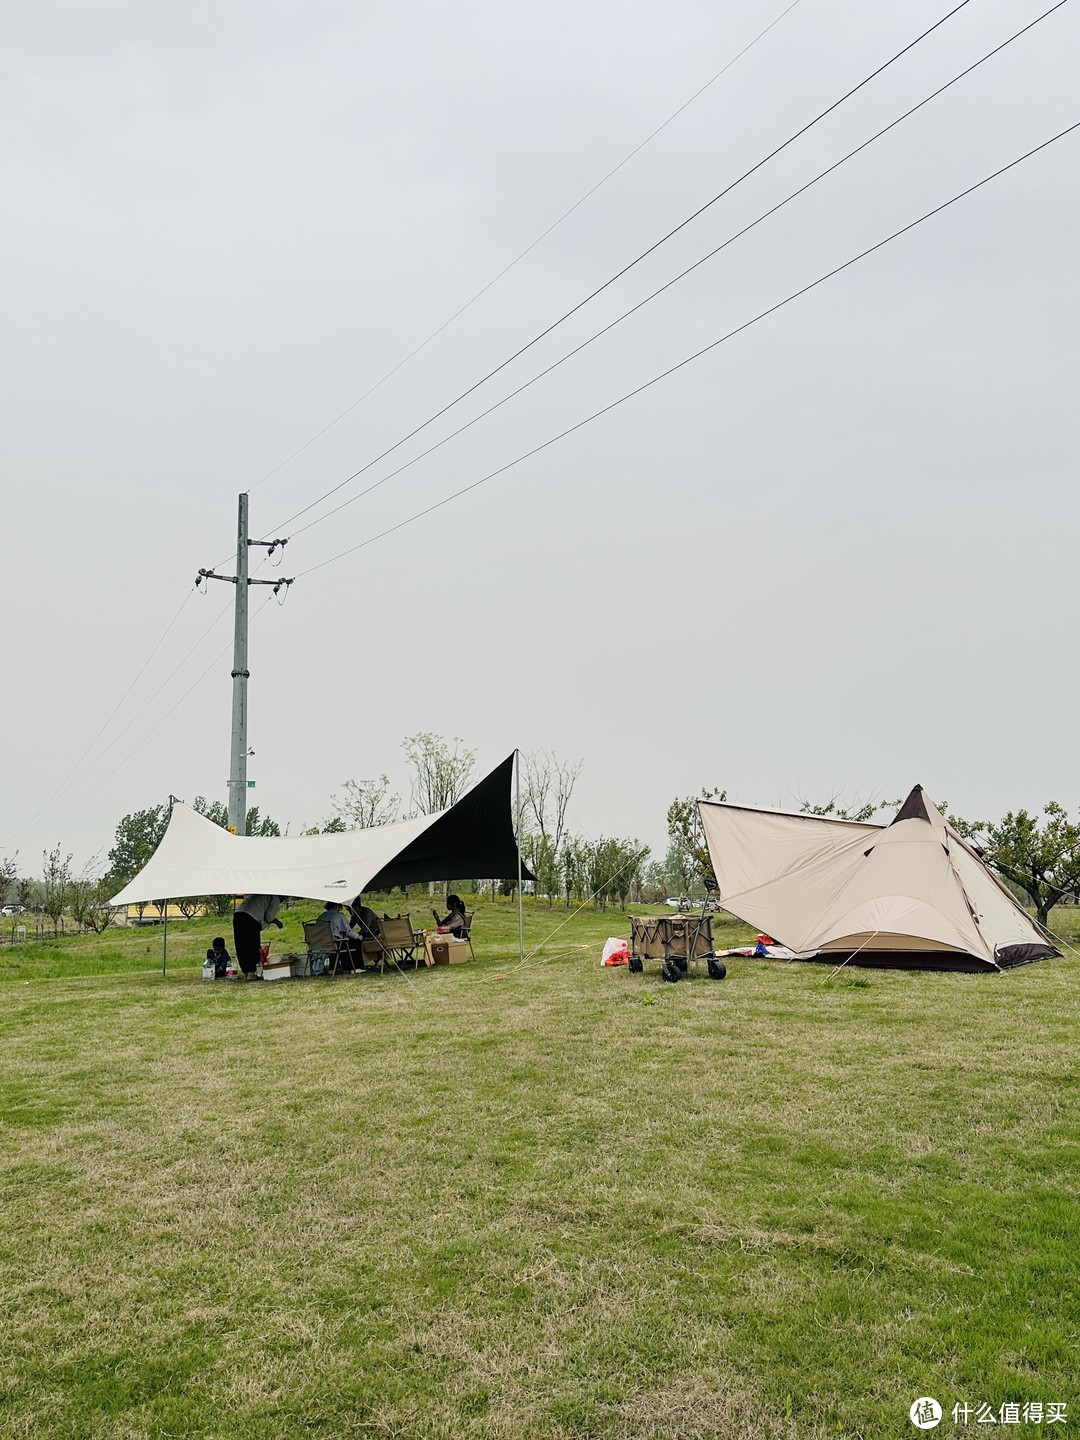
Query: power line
x=150, y=733
x=108, y=721
x=628, y=267
x=682, y=274
x=531, y=247
x=67, y=783
x=689, y=359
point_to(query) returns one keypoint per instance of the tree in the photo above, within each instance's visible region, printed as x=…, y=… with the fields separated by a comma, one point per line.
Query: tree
x=1040, y=856
x=88, y=900
x=680, y=869
x=547, y=783
x=612, y=869
x=363, y=804
x=855, y=811
x=654, y=882
x=688, y=851
x=137, y=837
x=573, y=863
x=218, y=812
x=334, y=826
x=543, y=862
x=258, y=824
x=56, y=883
x=8, y=875
x=439, y=775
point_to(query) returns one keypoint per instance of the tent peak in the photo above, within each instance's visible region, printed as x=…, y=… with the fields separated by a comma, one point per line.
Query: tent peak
x=917, y=806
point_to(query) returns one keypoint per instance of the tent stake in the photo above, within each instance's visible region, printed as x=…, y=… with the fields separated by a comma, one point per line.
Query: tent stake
x=521, y=912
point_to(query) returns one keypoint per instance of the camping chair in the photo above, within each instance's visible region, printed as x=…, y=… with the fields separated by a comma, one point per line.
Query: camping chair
x=399, y=937
x=468, y=931
x=396, y=941
x=320, y=940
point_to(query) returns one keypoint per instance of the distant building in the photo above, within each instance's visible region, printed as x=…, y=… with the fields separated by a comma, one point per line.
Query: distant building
x=154, y=914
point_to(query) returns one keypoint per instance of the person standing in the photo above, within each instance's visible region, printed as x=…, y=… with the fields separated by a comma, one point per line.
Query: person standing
x=256, y=913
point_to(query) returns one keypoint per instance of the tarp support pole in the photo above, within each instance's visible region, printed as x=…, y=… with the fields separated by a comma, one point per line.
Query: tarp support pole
x=521, y=903
x=164, y=937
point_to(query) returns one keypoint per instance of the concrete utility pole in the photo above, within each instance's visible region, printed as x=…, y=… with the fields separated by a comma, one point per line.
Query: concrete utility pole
x=238, y=741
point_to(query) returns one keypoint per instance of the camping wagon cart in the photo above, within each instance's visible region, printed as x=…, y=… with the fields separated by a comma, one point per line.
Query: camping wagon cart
x=674, y=940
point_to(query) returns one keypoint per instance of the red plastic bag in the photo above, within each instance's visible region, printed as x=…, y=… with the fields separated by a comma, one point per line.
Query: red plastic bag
x=616, y=952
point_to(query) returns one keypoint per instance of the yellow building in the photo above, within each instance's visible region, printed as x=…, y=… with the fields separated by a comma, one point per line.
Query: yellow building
x=153, y=914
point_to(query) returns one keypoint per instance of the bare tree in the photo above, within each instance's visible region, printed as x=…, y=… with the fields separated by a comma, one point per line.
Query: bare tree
x=363, y=804
x=439, y=774
x=88, y=900
x=55, y=884
x=547, y=785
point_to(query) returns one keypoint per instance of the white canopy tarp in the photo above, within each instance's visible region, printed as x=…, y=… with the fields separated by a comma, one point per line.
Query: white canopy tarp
x=197, y=857
x=474, y=837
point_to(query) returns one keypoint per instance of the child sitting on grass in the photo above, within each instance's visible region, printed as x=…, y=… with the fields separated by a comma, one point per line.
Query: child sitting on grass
x=220, y=956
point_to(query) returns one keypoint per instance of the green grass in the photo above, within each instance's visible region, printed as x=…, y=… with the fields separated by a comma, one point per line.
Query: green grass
x=505, y=1201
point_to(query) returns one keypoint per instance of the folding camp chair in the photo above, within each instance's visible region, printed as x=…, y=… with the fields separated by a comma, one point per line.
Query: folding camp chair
x=320, y=940
x=396, y=942
x=468, y=932
x=399, y=937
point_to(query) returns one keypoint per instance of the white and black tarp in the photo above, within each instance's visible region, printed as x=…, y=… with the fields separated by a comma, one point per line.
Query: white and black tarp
x=473, y=838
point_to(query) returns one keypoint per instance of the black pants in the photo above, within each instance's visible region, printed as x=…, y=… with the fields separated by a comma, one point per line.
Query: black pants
x=247, y=935
x=352, y=952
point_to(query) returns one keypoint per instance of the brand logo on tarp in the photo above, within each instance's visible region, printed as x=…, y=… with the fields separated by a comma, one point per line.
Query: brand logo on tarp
x=336, y=884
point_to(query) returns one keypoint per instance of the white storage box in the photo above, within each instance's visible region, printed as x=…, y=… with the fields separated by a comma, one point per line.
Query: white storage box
x=279, y=968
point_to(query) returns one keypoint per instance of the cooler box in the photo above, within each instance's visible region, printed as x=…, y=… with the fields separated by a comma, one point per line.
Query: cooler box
x=279, y=968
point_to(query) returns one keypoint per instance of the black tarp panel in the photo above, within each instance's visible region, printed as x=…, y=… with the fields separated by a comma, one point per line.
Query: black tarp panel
x=474, y=839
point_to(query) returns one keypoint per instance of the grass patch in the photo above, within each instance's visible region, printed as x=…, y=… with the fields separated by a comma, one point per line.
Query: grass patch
x=563, y=1202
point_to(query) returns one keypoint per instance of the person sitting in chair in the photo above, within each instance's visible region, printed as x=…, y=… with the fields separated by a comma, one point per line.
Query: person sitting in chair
x=455, y=920
x=342, y=931
x=367, y=921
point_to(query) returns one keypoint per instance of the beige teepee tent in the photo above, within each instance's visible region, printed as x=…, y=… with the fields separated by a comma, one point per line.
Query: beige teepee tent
x=909, y=894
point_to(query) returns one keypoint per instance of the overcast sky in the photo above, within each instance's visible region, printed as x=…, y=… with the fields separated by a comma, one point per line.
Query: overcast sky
x=836, y=553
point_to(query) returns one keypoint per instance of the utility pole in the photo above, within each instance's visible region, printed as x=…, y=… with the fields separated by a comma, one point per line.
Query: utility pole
x=238, y=743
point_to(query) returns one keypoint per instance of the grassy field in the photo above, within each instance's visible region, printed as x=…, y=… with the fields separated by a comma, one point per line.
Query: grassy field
x=541, y=1200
